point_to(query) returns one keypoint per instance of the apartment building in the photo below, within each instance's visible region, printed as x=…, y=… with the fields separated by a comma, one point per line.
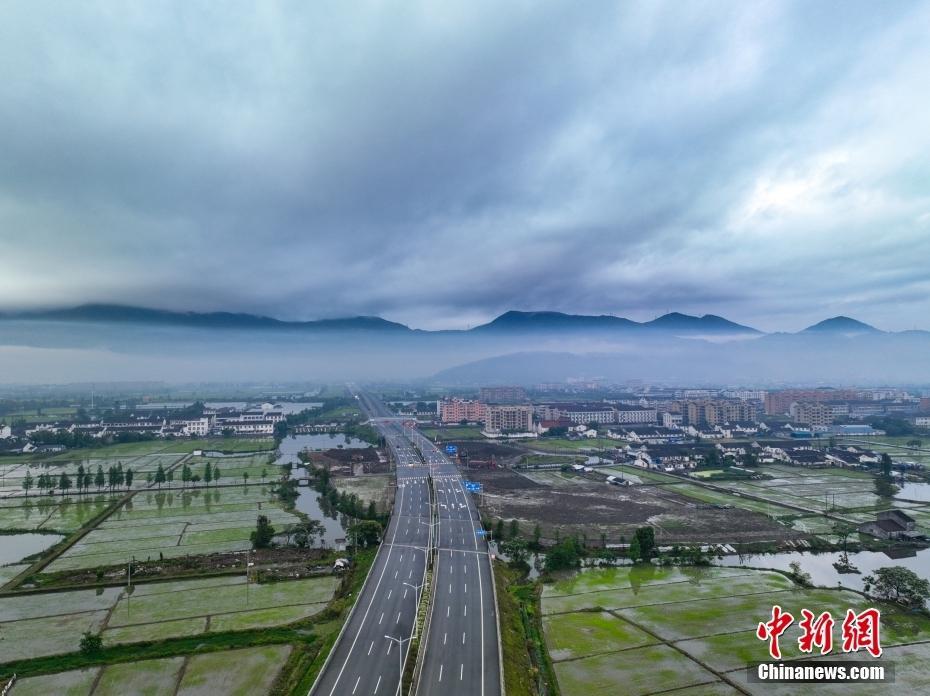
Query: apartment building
x=635, y=414
x=811, y=414
x=777, y=403
x=500, y=418
x=458, y=410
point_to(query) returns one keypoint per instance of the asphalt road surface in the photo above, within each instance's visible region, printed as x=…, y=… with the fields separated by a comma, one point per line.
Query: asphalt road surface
x=365, y=660
x=461, y=652
x=461, y=657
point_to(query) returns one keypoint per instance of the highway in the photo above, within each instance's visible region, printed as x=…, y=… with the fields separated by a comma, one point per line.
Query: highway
x=461, y=657
x=365, y=659
x=461, y=654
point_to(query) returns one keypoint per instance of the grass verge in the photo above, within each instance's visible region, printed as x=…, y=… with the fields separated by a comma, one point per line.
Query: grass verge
x=527, y=668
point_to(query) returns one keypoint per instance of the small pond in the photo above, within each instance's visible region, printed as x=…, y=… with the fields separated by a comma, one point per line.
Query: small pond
x=820, y=565
x=15, y=547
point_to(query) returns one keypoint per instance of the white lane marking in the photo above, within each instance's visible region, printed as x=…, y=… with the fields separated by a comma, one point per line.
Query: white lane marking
x=381, y=619
x=390, y=592
x=461, y=671
x=377, y=685
x=395, y=574
x=356, y=683
x=466, y=588
x=463, y=637
x=405, y=593
x=448, y=609
x=440, y=672
x=371, y=647
x=444, y=636
x=398, y=618
x=368, y=608
x=450, y=588
x=465, y=613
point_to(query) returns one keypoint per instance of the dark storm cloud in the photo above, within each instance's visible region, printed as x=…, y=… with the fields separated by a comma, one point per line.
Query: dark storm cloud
x=438, y=164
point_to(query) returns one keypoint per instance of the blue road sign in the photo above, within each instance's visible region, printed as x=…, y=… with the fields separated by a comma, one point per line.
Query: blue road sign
x=452, y=449
x=480, y=532
x=473, y=486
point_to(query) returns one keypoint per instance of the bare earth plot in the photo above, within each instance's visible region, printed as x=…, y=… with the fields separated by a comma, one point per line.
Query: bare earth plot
x=693, y=630
x=231, y=672
x=553, y=500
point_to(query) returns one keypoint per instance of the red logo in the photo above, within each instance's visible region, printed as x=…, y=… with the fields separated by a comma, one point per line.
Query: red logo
x=860, y=631
x=771, y=630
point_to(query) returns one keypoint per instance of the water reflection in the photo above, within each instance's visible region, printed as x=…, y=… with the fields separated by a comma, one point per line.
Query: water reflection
x=15, y=547
x=820, y=565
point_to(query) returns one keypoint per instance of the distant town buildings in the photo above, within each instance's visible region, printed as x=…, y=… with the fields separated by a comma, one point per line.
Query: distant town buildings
x=603, y=413
x=502, y=395
x=778, y=402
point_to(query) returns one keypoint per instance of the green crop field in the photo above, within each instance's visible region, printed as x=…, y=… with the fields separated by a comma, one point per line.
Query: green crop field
x=655, y=629
x=175, y=523
x=556, y=444
x=52, y=513
x=454, y=433
x=50, y=623
x=231, y=672
x=222, y=444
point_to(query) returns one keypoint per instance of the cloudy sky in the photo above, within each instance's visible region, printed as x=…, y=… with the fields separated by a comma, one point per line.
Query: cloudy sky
x=440, y=163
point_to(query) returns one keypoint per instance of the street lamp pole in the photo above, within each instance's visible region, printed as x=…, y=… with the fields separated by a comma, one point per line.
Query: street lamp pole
x=400, y=660
x=416, y=603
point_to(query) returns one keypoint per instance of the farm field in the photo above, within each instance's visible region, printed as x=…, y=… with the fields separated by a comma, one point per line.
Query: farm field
x=233, y=672
x=222, y=444
x=175, y=523
x=47, y=415
x=556, y=444
x=654, y=629
x=51, y=623
x=897, y=447
x=58, y=513
x=457, y=433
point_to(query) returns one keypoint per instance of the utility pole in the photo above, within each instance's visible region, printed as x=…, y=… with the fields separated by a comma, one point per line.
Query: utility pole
x=248, y=575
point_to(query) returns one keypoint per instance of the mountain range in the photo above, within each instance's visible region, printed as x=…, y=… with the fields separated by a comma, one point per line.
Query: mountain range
x=102, y=342
x=511, y=322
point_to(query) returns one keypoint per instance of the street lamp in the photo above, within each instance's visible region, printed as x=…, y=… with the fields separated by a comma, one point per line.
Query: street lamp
x=416, y=603
x=400, y=660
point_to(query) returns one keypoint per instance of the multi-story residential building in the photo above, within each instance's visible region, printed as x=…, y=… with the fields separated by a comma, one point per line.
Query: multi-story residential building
x=672, y=420
x=196, y=427
x=812, y=414
x=502, y=395
x=718, y=412
x=261, y=414
x=499, y=418
x=458, y=410
x=247, y=427
x=778, y=402
x=635, y=414
x=578, y=413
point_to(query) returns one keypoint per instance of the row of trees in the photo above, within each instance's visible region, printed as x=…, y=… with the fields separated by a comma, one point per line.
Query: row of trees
x=116, y=477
